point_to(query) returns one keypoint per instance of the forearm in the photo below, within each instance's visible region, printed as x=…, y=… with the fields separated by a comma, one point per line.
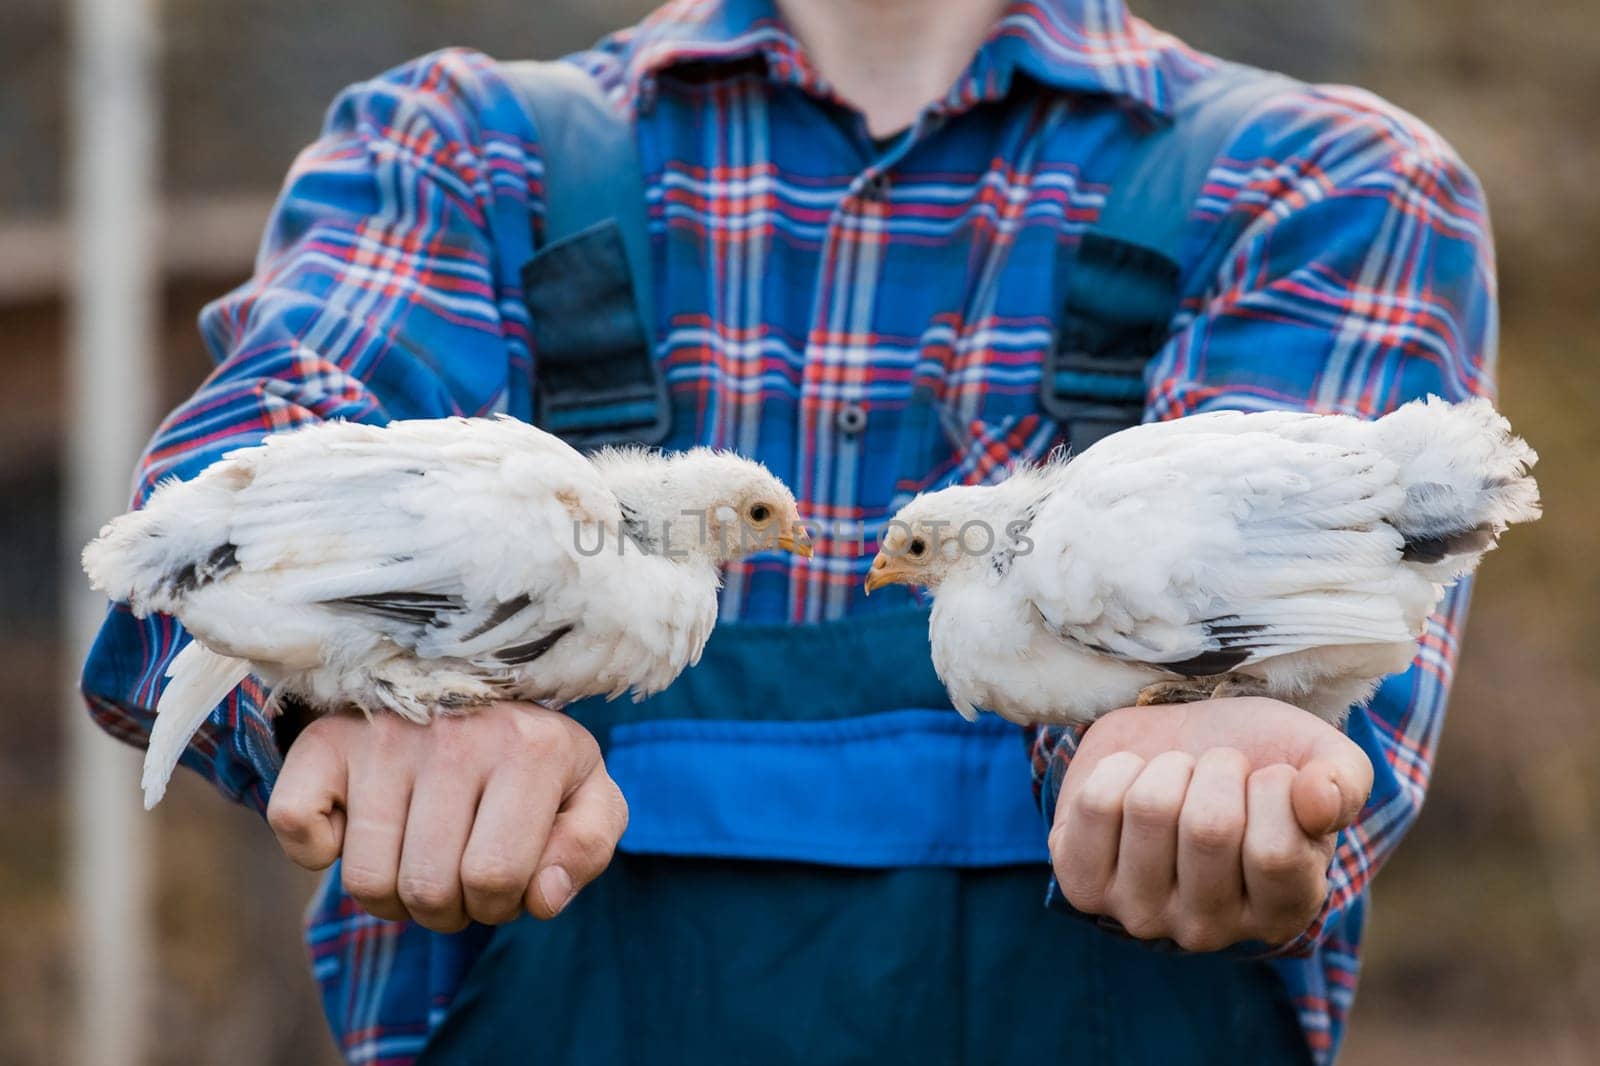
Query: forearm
x=1361, y=277
x=1399, y=730
x=359, y=310
x=1396, y=733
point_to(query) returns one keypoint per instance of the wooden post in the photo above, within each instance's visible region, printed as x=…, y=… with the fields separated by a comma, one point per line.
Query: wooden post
x=111, y=410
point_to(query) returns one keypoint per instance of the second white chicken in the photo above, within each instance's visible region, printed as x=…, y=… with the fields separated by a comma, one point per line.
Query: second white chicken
x=1289, y=555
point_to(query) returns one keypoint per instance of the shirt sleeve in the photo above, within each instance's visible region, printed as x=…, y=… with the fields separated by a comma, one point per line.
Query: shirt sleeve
x=1356, y=273
x=386, y=287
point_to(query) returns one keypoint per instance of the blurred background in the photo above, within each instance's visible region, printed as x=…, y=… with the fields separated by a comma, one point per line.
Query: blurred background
x=1486, y=938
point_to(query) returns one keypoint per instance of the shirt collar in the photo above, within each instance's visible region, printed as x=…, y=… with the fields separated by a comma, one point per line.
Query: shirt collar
x=1082, y=46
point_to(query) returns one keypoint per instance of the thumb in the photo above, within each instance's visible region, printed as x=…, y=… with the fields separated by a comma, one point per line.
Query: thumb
x=581, y=845
x=306, y=811
x=1331, y=787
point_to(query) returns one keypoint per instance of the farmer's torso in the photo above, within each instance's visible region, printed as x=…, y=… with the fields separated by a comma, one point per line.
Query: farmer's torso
x=869, y=319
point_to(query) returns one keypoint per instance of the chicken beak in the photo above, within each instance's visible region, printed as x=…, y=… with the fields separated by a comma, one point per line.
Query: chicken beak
x=798, y=541
x=884, y=572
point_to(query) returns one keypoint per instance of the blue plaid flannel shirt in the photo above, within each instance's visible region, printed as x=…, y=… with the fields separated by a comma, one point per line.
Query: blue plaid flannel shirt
x=1339, y=260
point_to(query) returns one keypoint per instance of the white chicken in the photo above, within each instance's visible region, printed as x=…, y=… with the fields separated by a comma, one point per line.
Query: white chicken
x=430, y=566
x=1289, y=555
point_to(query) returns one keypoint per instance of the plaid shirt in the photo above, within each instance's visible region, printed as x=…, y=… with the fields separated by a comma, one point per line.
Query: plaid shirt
x=808, y=282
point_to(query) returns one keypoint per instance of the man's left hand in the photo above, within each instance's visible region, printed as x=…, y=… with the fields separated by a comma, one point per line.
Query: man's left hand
x=1206, y=823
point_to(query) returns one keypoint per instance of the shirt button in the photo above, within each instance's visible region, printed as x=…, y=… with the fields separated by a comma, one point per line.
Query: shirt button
x=877, y=187
x=852, y=418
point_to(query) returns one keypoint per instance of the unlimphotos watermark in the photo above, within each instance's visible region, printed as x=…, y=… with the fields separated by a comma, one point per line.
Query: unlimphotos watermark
x=976, y=537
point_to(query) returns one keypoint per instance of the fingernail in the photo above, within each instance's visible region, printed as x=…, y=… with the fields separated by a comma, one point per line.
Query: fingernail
x=555, y=888
x=1338, y=798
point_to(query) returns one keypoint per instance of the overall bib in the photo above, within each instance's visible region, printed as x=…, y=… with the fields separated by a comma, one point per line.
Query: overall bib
x=670, y=958
x=914, y=931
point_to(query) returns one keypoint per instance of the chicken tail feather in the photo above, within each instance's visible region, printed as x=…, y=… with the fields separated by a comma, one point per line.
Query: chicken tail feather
x=197, y=681
x=1465, y=476
x=113, y=560
x=154, y=557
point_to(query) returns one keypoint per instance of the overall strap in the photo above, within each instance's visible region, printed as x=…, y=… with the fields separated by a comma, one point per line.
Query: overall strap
x=1126, y=281
x=588, y=285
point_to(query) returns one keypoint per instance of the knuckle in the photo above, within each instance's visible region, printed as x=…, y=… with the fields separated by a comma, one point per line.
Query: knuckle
x=1057, y=843
x=1123, y=764
x=541, y=737
x=367, y=885
x=426, y=892
x=1084, y=893
x=1176, y=760
x=288, y=821
x=1142, y=924
x=1097, y=805
x=493, y=878
x=1277, y=862
x=593, y=846
x=579, y=739
x=1199, y=934
x=1236, y=762
x=1150, y=810
x=618, y=807
x=1212, y=834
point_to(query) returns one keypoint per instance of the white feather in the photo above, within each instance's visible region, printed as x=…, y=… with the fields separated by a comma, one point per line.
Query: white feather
x=197, y=681
x=431, y=566
x=1304, y=552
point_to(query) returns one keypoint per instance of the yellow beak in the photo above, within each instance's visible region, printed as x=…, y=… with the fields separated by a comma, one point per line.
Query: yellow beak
x=798, y=542
x=887, y=570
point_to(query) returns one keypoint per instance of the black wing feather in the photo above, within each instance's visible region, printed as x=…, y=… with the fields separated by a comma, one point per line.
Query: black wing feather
x=415, y=608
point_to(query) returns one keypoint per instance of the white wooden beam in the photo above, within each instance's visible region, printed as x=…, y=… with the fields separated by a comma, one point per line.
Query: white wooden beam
x=211, y=238
x=111, y=409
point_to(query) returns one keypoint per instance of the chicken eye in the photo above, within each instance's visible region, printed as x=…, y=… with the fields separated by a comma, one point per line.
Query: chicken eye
x=760, y=513
x=918, y=546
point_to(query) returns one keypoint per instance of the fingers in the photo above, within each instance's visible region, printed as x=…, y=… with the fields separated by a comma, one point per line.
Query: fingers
x=1331, y=788
x=548, y=825
x=1148, y=853
x=380, y=796
x=1284, y=870
x=581, y=843
x=1207, y=851
x=1211, y=831
x=306, y=811
x=470, y=818
x=439, y=820
x=514, y=818
x=1088, y=828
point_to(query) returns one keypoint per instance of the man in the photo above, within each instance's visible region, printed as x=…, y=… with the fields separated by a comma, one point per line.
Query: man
x=863, y=214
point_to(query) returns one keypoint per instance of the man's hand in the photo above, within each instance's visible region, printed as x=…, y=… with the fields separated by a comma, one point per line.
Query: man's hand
x=473, y=817
x=1207, y=823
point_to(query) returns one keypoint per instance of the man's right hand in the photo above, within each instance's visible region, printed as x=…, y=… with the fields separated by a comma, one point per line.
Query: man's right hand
x=474, y=817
